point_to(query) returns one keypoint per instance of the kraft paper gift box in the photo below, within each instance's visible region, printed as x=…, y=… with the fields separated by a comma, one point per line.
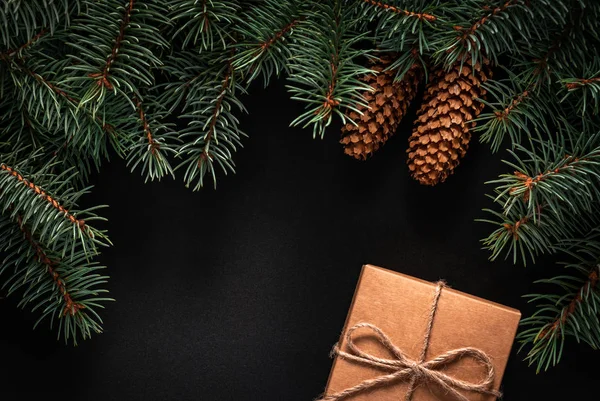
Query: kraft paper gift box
x=400, y=306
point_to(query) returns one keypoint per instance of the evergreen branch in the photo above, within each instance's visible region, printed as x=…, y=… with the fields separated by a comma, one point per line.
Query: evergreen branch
x=64, y=115
x=407, y=13
x=401, y=25
x=585, y=91
x=150, y=149
x=205, y=86
x=49, y=211
x=517, y=232
x=215, y=112
x=556, y=327
x=325, y=74
x=12, y=52
x=538, y=209
x=118, y=55
x=64, y=289
x=279, y=34
x=503, y=114
x=153, y=145
x=491, y=12
x=24, y=18
x=204, y=22
x=551, y=172
x=263, y=48
x=515, y=110
x=125, y=20
x=50, y=85
x=42, y=194
x=71, y=307
x=487, y=36
x=576, y=83
x=550, y=53
x=23, y=130
x=573, y=314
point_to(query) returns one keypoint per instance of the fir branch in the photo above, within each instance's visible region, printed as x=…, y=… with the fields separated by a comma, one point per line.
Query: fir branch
x=538, y=209
x=50, y=85
x=583, y=92
x=12, y=52
x=205, y=86
x=516, y=109
x=118, y=55
x=556, y=327
x=579, y=82
x=263, y=48
x=25, y=18
x=574, y=314
x=49, y=208
x=45, y=102
x=407, y=13
x=503, y=114
x=204, y=22
x=325, y=74
x=551, y=52
x=215, y=113
x=491, y=12
x=125, y=20
x=556, y=176
x=51, y=201
x=71, y=307
x=64, y=289
x=279, y=34
x=151, y=147
x=489, y=35
x=401, y=26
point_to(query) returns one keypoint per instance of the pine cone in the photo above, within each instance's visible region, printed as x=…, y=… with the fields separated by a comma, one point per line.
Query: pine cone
x=441, y=134
x=388, y=103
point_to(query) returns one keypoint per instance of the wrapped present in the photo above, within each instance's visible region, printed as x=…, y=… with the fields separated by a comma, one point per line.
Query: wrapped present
x=413, y=340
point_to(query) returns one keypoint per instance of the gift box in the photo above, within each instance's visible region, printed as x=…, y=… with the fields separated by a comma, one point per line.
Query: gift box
x=409, y=339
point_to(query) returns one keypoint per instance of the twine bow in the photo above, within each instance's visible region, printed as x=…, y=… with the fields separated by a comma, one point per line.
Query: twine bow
x=404, y=368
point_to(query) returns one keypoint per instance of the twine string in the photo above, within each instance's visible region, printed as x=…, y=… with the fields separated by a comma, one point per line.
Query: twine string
x=403, y=368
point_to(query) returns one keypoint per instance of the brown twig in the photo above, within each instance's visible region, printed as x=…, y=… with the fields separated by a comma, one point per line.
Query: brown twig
x=330, y=102
x=530, y=181
x=501, y=115
x=71, y=307
x=53, y=202
x=568, y=310
x=154, y=146
x=467, y=32
x=11, y=52
x=581, y=82
x=104, y=81
x=280, y=33
x=514, y=228
x=420, y=16
x=108, y=128
x=213, y=119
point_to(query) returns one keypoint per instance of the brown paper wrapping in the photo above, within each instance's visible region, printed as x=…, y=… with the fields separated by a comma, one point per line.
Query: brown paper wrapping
x=399, y=305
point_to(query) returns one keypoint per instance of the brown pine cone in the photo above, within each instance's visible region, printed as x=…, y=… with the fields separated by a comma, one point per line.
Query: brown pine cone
x=441, y=135
x=387, y=105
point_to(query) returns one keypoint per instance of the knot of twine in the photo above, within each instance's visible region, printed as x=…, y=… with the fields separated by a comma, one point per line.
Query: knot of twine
x=414, y=371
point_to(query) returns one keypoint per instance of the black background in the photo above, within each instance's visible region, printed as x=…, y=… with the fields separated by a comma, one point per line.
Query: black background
x=239, y=293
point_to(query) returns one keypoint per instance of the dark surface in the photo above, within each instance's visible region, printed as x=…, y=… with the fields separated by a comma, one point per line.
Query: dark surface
x=239, y=293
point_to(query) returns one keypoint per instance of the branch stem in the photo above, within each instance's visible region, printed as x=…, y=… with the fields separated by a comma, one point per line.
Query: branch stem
x=39, y=191
x=71, y=307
